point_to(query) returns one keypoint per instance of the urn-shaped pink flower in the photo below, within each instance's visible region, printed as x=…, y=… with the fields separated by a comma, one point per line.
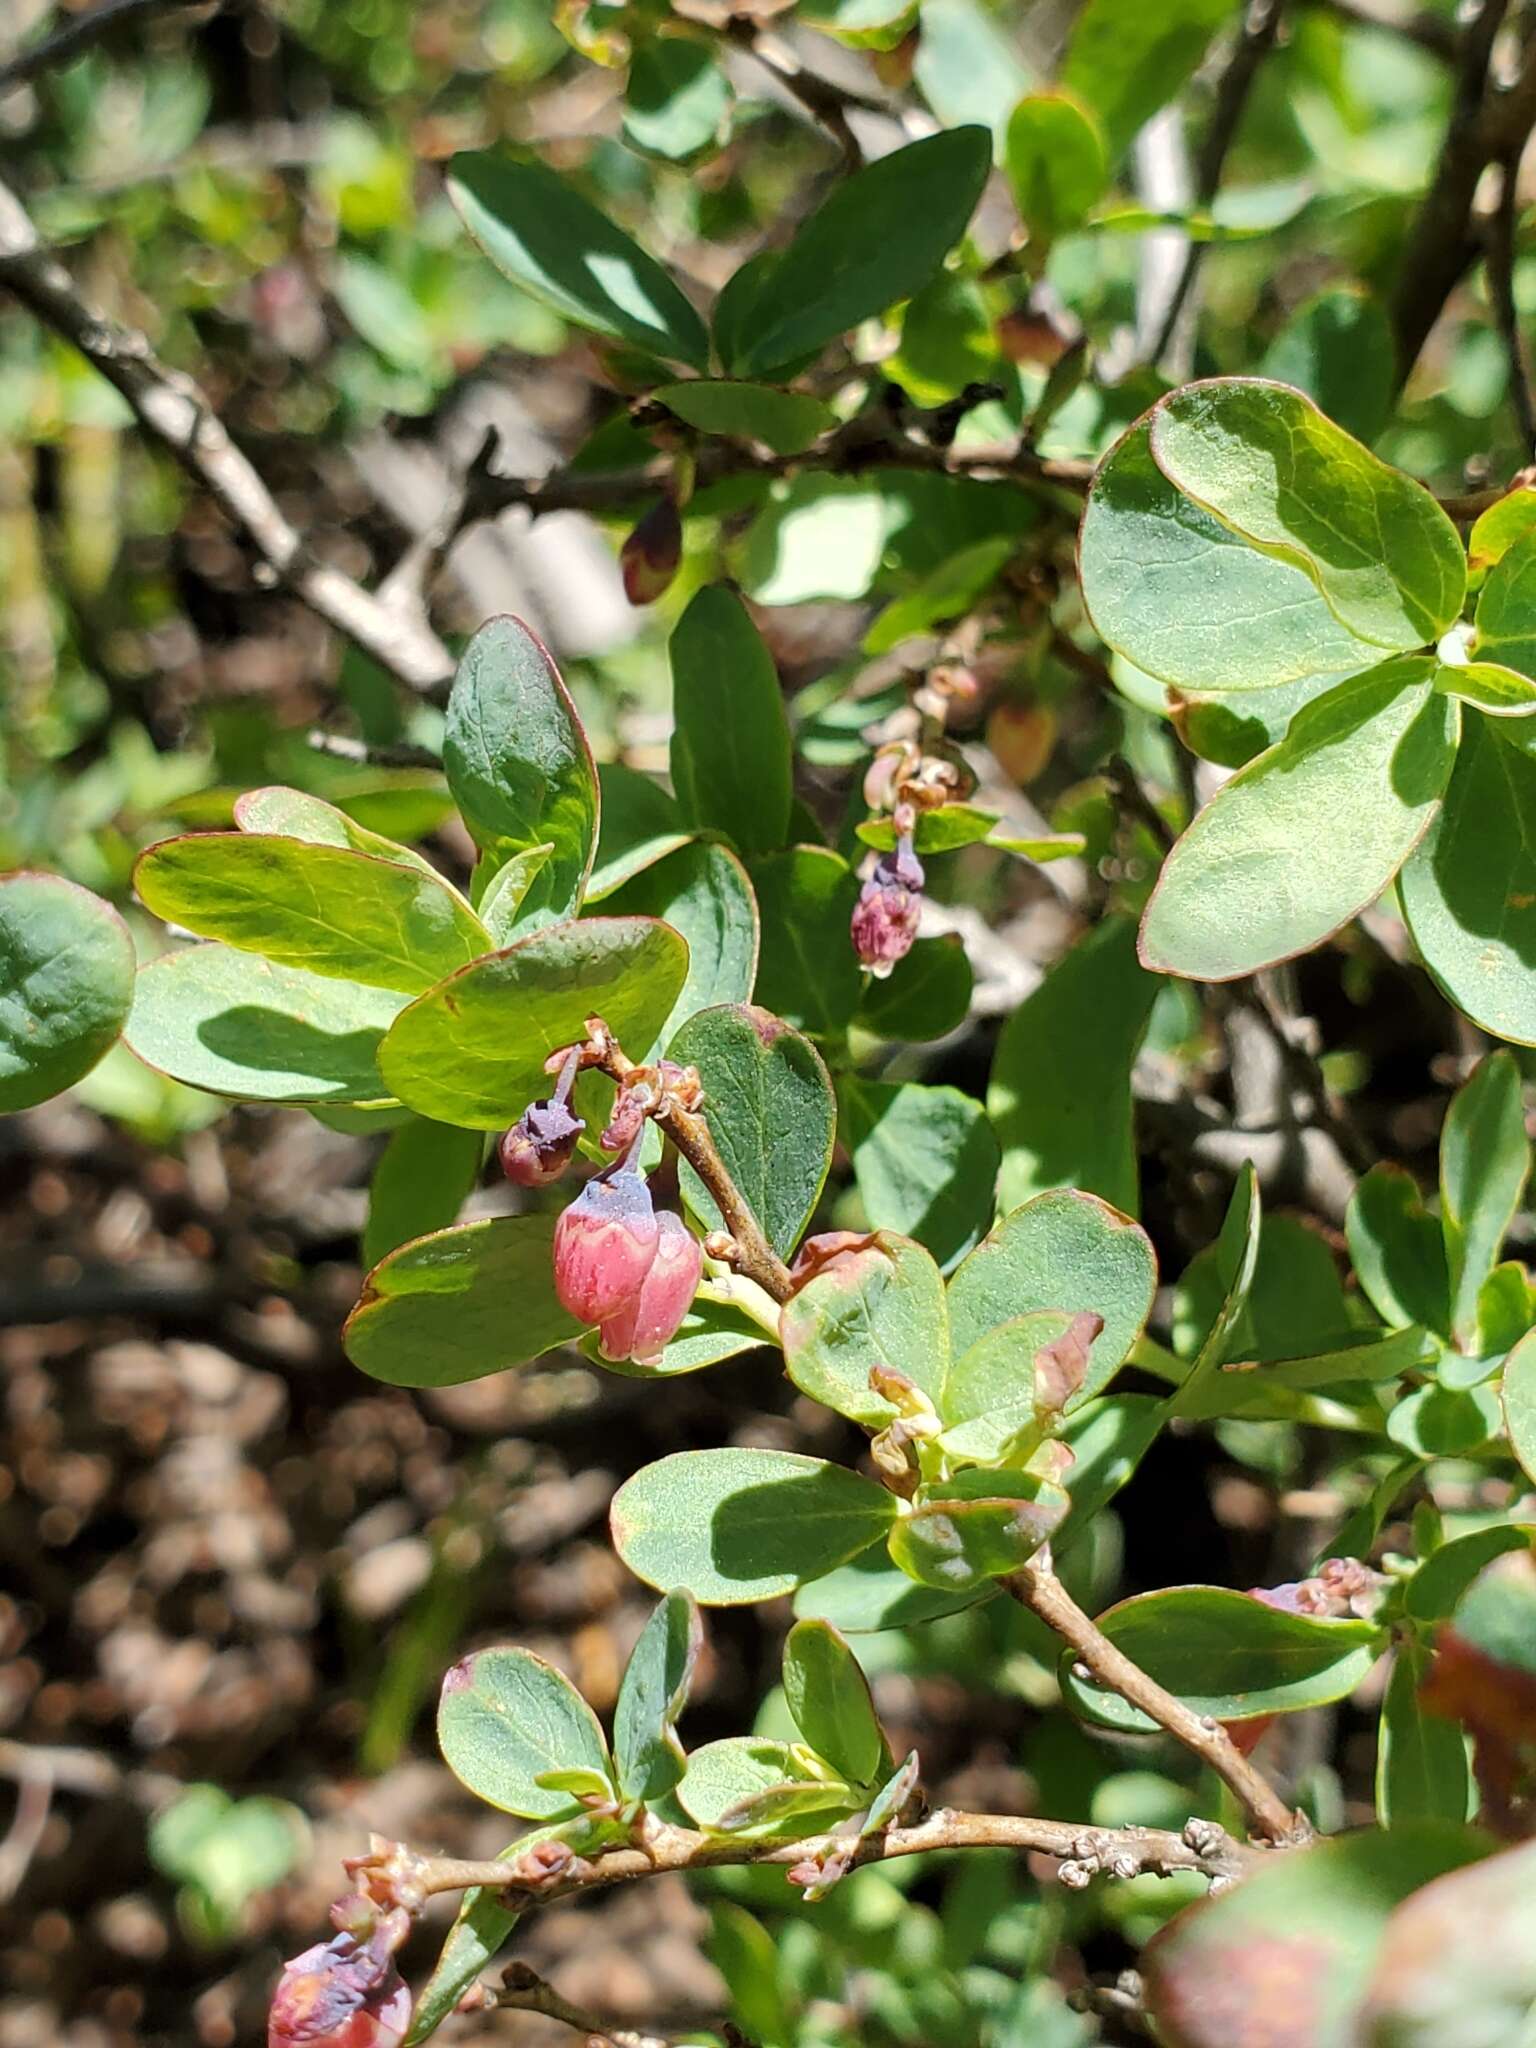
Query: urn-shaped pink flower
x=643, y=1328
x=605, y=1243
x=342, y=1993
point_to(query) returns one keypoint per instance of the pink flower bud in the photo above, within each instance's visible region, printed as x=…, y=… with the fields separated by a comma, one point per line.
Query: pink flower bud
x=341, y=1993
x=885, y=918
x=643, y=1328
x=604, y=1245
x=539, y=1146
x=650, y=557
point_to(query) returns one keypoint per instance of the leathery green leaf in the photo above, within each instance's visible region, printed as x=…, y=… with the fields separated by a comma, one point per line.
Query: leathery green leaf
x=648, y=1755
x=1397, y=1250
x=1274, y=468
x=1060, y=1092
x=956, y=1542
x=828, y=1695
x=324, y=909
x=1518, y=1393
x=459, y=1304
x=1065, y=1251
x=239, y=1025
x=1485, y=1158
x=66, y=984
x=879, y=1305
x=730, y=742
x=472, y=1050
x=924, y=1159
x=504, y=1719
x=807, y=973
x=1469, y=892
x=785, y=421
x=878, y=237
x=771, y=1113
x=518, y=763
x=295, y=813
x=554, y=243
x=1054, y=156
x=1263, y=873
x=1226, y=1655
x=1188, y=600
x=740, y=1525
x=702, y=892
x=1506, y=610
x=1422, y=1771
x=424, y=1173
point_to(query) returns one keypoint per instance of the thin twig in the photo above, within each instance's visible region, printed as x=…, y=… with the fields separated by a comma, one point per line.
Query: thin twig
x=752, y=1254
x=1256, y=38
x=171, y=408
x=401, y=754
x=524, y=1990
x=1500, y=264
x=82, y=31
x=1037, y=1587
x=1441, y=244
x=1083, y=1852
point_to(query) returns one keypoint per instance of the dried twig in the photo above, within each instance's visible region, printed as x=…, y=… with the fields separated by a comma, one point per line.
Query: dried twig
x=1256, y=38
x=342, y=747
x=1083, y=1852
x=524, y=1990
x=1500, y=264
x=171, y=408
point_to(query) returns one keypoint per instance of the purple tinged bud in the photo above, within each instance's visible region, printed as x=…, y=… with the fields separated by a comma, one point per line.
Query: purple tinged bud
x=341, y=1993
x=646, y=1325
x=604, y=1245
x=539, y=1146
x=650, y=557
x=884, y=924
x=902, y=866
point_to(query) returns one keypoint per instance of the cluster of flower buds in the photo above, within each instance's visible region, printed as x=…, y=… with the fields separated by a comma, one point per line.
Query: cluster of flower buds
x=624, y=1267
x=886, y=916
x=345, y=1992
x=540, y=1145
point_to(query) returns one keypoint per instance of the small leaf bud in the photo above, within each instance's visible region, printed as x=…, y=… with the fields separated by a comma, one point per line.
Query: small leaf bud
x=650, y=556
x=643, y=1328
x=604, y=1245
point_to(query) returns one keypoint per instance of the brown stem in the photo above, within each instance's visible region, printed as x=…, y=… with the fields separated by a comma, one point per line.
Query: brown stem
x=1037, y=1587
x=1256, y=38
x=1083, y=1852
x=1499, y=262
x=524, y=1990
x=751, y=1253
x=174, y=411
x=67, y=43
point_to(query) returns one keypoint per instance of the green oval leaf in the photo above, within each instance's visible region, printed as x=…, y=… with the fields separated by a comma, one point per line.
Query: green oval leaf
x=518, y=763
x=989, y=1394
x=1506, y=610
x=1227, y=1655
x=928, y=995
x=925, y=1162
x=785, y=421
x=740, y=1525
x=771, y=1113
x=1126, y=59
x=1469, y=892
x=1398, y=1251
x=295, y=814
x=459, y=1304
x=1485, y=1158
x=730, y=741
x=554, y=243
x=1271, y=466
x=871, y=1593
x=677, y=98
x=958, y=1544
x=239, y=1025
x=1499, y=692
x=807, y=972
x=1518, y=1393
x=1060, y=1091
x=506, y=1718
x=702, y=892
x=748, y=1786
x=828, y=1695
x=1055, y=160
x=66, y=984
x=648, y=1755
x=324, y=909
x=1338, y=348
x=1263, y=873
x=1422, y=1771
x=882, y=1304
x=877, y=238
x=472, y=1050
x=1064, y=1251
x=641, y=824
x=424, y=1173
x=1188, y=600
